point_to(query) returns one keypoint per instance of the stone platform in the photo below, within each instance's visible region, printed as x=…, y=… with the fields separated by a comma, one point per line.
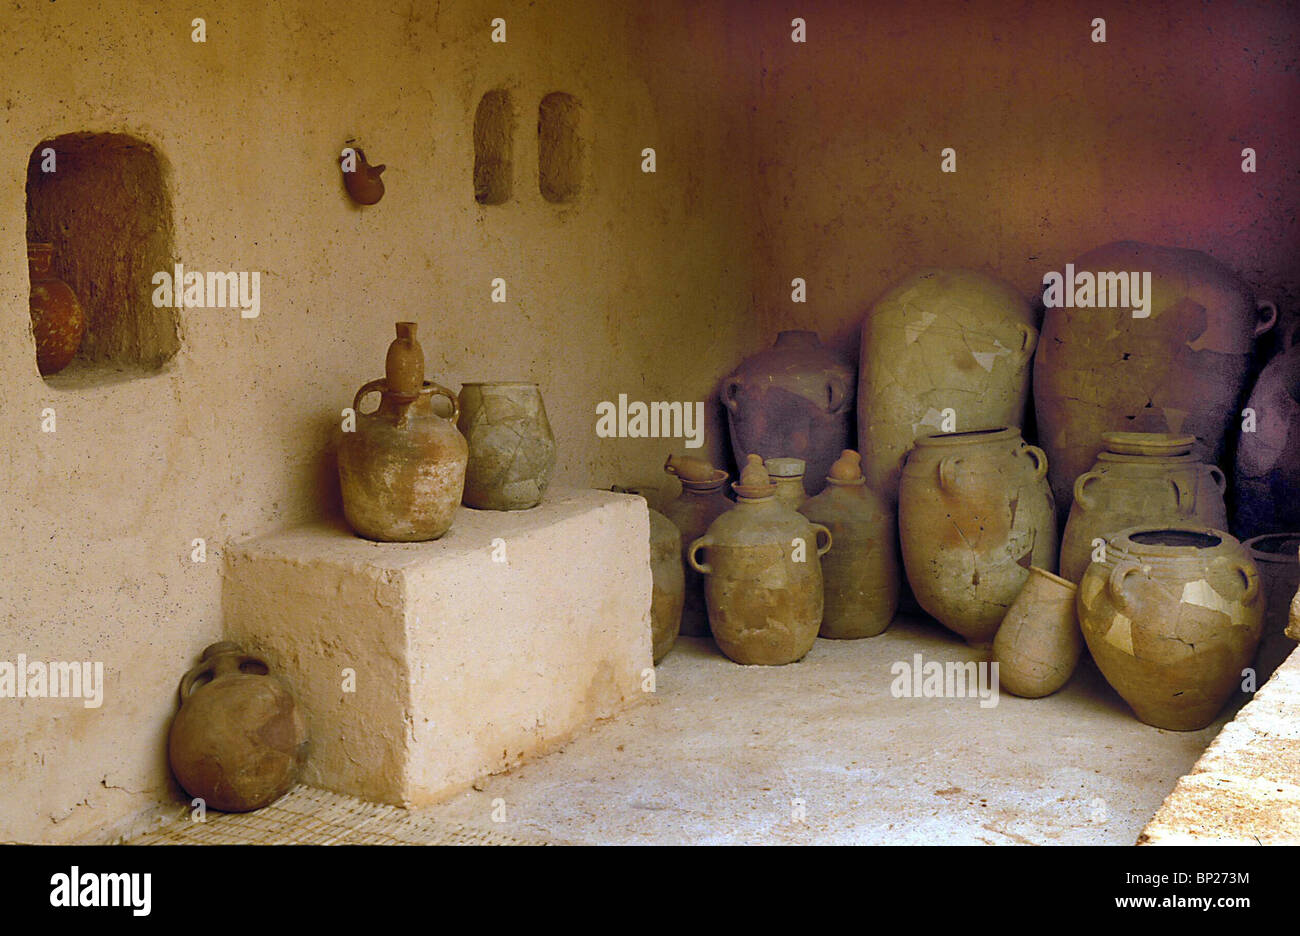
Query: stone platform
x=424, y=666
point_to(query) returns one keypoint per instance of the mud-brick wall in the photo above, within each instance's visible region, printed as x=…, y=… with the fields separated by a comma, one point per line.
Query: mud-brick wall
x=621, y=290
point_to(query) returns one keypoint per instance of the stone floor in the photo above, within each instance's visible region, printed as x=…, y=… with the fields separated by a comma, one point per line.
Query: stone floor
x=822, y=752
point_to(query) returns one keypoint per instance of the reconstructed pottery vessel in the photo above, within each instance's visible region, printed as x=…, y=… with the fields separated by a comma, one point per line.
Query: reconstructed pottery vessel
x=701, y=501
x=1182, y=369
x=403, y=470
x=58, y=324
x=788, y=476
x=974, y=513
x=1267, y=471
x=939, y=339
x=239, y=739
x=1141, y=478
x=1172, y=616
x=860, y=575
x=511, y=448
x=791, y=401
x=669, y=580
x=1038, y=645
x=763, y=574
x=1277, y=556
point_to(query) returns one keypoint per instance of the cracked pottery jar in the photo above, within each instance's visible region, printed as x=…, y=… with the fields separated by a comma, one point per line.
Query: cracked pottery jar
x=403, y=470
x=239, y=739
x=511, y=449
x=701, y=501
x=1277, y=556
x=58, y=323
x=939, y=339
x=974, y=513
x=1181, y=369
x=1172, y=616
x=1038, y=643
x=860, y=575
x=1267, y=470
x=763, y=577
x=788, y=474
x=1141, y=478
x=791, y=401
x=668, y=592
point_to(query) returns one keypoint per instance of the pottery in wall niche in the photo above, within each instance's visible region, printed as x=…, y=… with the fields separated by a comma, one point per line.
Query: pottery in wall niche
x=1038, y=643
x=940, y=342
x=860, y=576
x=668, y=578
x=239, y=739
x=58, y=323
x=974, y=513
x=1141, y=478
x=511, y=448
x=1277, y=556
x=1172, y=615
x=702, y=500
x=763, y=581
x=791, y=401
x=788, y=476
x=1267, y=472
x=1178, y=366
x=402, y=471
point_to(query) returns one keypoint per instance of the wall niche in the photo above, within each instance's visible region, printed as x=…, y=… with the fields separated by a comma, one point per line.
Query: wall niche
x=100, y=200
x=494, y=131
x=559, y=147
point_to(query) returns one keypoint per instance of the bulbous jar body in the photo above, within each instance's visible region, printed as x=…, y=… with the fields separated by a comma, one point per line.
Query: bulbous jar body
x=239, y=739
x=58, y=323
x=1179, y=368
x=1277, y=556
x=974, y=513
x=861, y=577
x=511, y=448
x=1172, y=615
x=1142, y=478
x=763, y=581
x=692, y=512
x=1267, y=470
x=669, y=590
x=940, y=339
x=1038, y=643
x=793, y=400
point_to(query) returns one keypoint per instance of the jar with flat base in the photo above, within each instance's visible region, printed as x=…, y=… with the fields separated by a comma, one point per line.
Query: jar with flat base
x=511, y=448
x=1038, y=643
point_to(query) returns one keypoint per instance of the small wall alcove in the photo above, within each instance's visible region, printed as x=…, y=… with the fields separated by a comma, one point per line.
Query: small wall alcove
x=559, y=147
x=494, y=131
x=101, y=201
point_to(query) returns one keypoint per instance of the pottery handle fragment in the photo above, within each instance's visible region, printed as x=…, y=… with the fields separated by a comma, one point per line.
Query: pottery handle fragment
x=818, y=529
x=375, y=386
x=702, y=568
x=1115, y=584
x=1028, y=341
x=434, y=389
x=1040, y=461
x=1267, y=318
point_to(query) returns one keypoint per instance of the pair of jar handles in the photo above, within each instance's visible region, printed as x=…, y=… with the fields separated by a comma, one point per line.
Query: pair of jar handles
x=1184, y=495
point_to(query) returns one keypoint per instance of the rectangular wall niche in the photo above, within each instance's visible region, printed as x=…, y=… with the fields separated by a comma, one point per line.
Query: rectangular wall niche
x=494, y=130
x=100, y=200
x=559, y=147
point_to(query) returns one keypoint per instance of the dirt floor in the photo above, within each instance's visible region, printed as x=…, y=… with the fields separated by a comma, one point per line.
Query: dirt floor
x=822, y=751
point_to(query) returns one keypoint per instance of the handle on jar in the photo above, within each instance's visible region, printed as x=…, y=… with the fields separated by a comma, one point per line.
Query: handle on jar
x=434, y=389
x=948, y=472
x=1115, y=584
x=1040, y=461
x=1267, y=318
x=1080, y=487
x=837, y=396
x=1184, y=497
x=1220, y=478
x=1251, y=577
x=375, y=386
x=1028, y=341
x=703, y=568
x=818, y=529
x=730, y=387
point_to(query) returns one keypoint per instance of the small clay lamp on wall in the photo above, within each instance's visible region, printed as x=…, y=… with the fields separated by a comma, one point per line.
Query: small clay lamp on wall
x=361, y=179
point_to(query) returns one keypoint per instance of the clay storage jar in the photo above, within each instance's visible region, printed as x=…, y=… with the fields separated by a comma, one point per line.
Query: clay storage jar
x=1038, y=644
x=1141, y=478
x=793, y=400
x=974, y=513
x=668, y=577
x=1277, y=556
x=511, y=449
x=763, y=578
x=788, y=476
x=58, y=323
x=1172, y=616
x=939, y=339
x=860, y=575
x=403, y=470
x=239, y=739
x=702, y=500
x=1180, y=370
x=1267, y=472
